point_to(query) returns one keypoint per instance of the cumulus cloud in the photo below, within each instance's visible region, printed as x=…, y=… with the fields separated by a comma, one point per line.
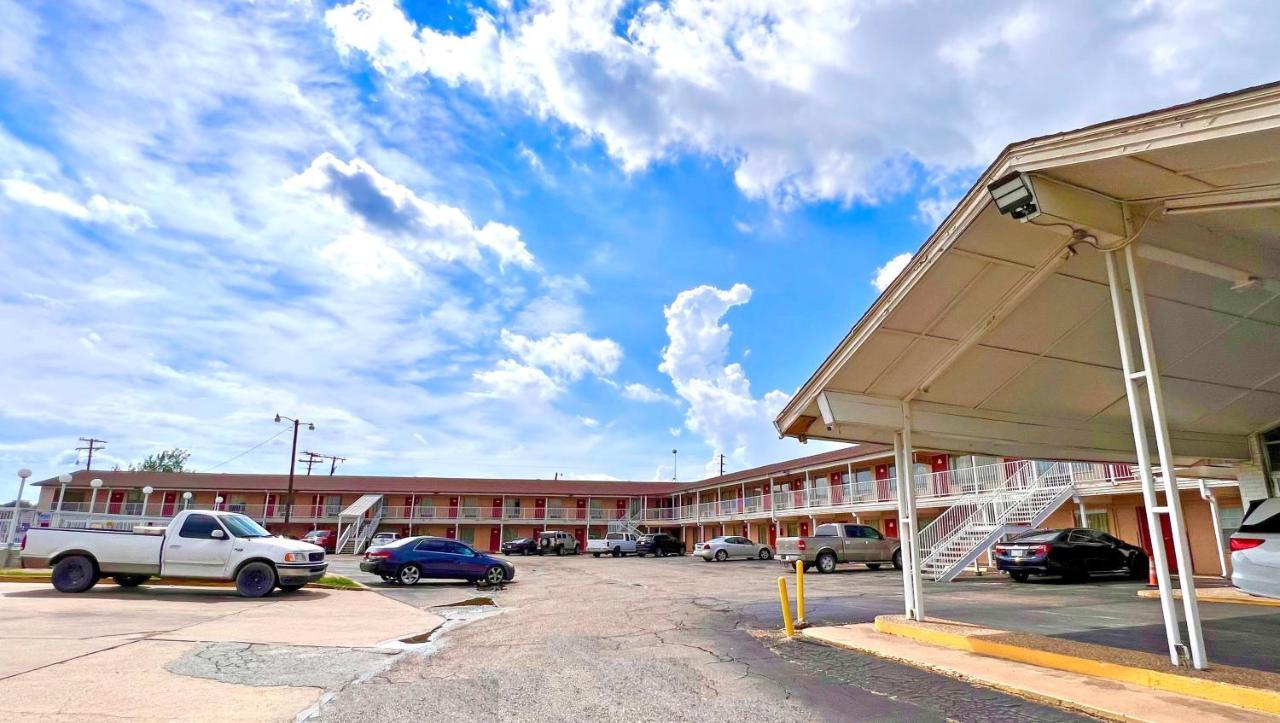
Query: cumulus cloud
x=98, y=209
x=721, y=407
x=886, y=274
x=544, y=367
x=429, y=230
x=815, y=100
x=638, y=392
x=512, y=380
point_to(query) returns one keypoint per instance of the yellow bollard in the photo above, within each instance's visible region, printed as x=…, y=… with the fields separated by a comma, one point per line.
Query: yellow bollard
x=800, y=621
x=786, y=607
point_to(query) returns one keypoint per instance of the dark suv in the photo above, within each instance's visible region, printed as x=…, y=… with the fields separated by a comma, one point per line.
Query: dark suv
x=659, y=544
x=1074, y=553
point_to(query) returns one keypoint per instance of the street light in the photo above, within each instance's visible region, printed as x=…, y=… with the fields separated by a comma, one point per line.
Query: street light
x=95, y=483
x=23, y=474
x=293, y=457
x=186, y=500
x=217, y=503
x=64, y=479
x=146, y=496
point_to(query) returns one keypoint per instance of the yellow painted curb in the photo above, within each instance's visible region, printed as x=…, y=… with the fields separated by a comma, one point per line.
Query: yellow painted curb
x=1211, y=598
x=1266, y=701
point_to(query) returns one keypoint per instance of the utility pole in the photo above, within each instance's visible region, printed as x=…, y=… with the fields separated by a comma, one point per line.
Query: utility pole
x=722, y=464
x=91, y=445
x=333, y=461
x=293, y=456
x=674, y=467
x=310, y=461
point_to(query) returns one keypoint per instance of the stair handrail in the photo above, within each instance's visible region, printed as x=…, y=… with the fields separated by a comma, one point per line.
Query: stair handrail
x=369, y=528
x=942, y=528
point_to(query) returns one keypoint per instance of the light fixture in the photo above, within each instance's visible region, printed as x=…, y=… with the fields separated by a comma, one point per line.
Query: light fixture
x=1227, y=201
x=1014, y=196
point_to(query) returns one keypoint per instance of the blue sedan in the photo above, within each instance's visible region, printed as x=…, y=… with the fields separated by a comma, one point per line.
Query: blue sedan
x=412, y=559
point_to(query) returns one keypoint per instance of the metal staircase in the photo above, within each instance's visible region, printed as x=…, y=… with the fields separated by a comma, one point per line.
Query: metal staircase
x=626, y=524
x=361, y=518
x=1022, y=498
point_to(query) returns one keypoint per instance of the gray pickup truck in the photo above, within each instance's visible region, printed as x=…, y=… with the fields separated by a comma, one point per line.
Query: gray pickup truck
x=838, y=542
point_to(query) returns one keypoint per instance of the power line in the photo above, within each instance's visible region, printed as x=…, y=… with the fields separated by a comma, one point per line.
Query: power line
x=333, y=461
x=247, y=451
x=310, y=461
x=92, y=445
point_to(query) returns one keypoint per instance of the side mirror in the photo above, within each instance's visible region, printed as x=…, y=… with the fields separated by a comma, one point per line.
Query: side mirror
x=217, y=534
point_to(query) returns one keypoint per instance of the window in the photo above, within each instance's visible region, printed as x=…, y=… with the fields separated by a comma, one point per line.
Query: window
x=852, y=531
x=468, y=535
x=431, y=546
x=1100, y=521
x=872, y=533
x=827, y=531
x=241, y=526
x=1263, y=518
x=332, y=505
x=1080, y=536
x=199, y=527
x=457, y=548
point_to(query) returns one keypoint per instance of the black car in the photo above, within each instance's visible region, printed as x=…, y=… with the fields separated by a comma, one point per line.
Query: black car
x=1075, y=554
x=659, y=544
x=520, y=546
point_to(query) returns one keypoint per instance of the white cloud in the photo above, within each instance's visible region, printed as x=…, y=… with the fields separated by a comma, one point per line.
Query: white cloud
x=589, y=422
x=98, y=209
x=721, y=407
x=886, y=274
x=814, y=100
x=567, y=356
x=513, y=380
x=638, y=392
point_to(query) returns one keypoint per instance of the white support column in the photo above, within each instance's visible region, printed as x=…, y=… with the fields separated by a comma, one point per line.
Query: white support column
x=908, y=580
x=1209, y=497
x=906, y=478
x=1137, y=419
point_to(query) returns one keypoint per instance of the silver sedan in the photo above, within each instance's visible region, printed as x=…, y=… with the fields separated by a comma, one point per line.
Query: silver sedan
x=727, y=548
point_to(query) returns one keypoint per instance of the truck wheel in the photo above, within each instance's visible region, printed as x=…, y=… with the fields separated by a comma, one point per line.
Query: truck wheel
x=291, y=588
x=76, y=573
x=765, y=553
x=255, y=579
x=595, y=554
x=659, y=552
x=826, y=563
x=897, y=559
x=617, y=552
x=559, y=550
x=409, y=574
x=130, y=580
x=721, y=556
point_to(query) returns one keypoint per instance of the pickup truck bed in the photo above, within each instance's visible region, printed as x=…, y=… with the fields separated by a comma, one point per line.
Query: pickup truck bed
x=835, y=543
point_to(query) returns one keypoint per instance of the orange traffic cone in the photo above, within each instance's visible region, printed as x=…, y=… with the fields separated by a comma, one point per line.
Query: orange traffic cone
x=1151, y=575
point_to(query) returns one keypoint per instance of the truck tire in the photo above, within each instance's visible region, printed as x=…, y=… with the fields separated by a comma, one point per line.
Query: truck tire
x=559, y=550
x=617, y=552
x=130, y=580
x=595, y=554
x=897, y=559
x=826, y=562
x=256, y=579
x=873, y=566
x=76, y=573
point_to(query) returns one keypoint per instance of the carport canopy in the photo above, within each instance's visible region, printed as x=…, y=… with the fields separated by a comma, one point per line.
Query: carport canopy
x=1002, y=334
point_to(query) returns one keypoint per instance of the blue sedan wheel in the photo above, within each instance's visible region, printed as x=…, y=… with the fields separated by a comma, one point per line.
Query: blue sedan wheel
x=495, y=575
x=409, y=574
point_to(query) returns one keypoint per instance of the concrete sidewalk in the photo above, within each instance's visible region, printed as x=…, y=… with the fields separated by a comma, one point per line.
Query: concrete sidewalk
x=162, y=653
x=1096, y=696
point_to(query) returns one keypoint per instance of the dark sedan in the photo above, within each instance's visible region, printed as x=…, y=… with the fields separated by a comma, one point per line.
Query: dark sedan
x=412, y=559
x=659, y=544
x=520, y=546
x=1075, y=554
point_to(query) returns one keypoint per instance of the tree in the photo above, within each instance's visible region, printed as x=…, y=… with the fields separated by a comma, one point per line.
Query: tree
x=169, y=460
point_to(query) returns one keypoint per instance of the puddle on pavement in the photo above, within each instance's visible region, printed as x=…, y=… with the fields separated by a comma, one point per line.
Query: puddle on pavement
x=454, y=614
x=470, y=601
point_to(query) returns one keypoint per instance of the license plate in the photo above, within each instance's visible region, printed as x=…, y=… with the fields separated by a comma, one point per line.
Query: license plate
x=1017, y=552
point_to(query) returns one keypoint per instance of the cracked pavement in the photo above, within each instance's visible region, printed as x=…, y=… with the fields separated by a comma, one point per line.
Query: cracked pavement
x=651, y=640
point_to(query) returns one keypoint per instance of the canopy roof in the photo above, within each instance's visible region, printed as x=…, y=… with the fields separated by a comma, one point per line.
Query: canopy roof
x=1005, y=340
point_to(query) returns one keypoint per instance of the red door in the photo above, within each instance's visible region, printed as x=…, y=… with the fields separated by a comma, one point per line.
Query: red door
x=451, y=532
x=271, y=506
x=773, y=534
x=580, y=535
x=117, y=499
x=804, y=529
x=768, y=500
x=170, y=502
x=453, y=508
x=746, y=531
x=837, y=492
x=540, y=508
x=497, y=509
x=495, y=537
x=622, y=509
x=797, y=494
x=891, y=527
x=1166, y=532
x=582, y=511
x=882, y=482
x=939, y=465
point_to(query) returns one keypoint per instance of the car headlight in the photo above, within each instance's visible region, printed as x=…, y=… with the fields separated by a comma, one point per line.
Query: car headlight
x=295, y=557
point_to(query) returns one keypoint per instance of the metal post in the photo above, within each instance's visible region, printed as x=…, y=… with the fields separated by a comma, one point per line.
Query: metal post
x=293, y=457
x=908, y=580
x=1143, y=453
x=1209, y=497
x=906, y=478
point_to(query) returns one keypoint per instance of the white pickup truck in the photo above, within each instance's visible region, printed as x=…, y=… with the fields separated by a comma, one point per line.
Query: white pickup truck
x=618, y=544
x=196, y=544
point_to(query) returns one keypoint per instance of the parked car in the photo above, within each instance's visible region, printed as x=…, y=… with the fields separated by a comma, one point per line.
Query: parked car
x=520, y=546
x=383, y=538
x=557, y=542
x=837, y=542
x=1074, y=553
x=728, y=548
x=618, y=544
x=196, y=543
x=327, y=539
x=1255, y=550
x=659, y=544
x=410, y=560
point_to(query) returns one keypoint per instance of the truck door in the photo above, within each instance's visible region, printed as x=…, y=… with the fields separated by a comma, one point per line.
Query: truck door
x=855, y=544
x=194, y=551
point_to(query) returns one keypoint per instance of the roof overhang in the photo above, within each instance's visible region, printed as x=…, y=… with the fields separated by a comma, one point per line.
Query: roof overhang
x=1002, y=335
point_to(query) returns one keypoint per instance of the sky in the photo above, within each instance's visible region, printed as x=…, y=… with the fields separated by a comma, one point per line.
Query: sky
x=507, y=239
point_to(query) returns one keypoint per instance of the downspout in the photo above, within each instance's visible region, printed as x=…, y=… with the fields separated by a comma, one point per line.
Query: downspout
x=1207, y=496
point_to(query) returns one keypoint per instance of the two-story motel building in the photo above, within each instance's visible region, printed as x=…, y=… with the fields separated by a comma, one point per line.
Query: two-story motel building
x=785, y=498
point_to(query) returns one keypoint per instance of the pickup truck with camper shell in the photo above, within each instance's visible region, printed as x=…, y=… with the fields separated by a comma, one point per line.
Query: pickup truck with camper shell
x=196, y=544
x=836, y=542
x=618, y=544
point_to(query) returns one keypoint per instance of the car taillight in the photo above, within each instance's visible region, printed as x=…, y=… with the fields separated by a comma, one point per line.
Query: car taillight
x=1245, y=543
x=23, y=546
x=377, y=555
x=801, y=546
x=1039, y=550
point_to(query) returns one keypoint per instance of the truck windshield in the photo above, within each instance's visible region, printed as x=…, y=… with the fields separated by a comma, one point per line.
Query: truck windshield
x=242, y=526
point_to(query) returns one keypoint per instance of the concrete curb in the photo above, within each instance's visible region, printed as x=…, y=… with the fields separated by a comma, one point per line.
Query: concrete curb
x=179, y=582
x=1228, y=595
x=1258, y=699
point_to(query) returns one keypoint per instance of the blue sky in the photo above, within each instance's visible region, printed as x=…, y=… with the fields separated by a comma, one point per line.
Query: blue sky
x=505, y=239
